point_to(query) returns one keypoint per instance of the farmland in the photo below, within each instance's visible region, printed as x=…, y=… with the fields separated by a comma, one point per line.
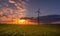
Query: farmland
x=29, y=30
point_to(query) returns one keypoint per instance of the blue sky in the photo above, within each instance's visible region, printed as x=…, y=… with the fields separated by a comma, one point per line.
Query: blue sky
x=47, y=7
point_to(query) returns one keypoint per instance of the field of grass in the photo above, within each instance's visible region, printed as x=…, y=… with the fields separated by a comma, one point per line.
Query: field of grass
x=29, y=30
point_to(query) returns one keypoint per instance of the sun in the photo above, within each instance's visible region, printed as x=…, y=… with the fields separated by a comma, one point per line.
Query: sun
x=22, y=20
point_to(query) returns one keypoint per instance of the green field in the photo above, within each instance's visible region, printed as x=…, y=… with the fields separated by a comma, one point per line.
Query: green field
x=29, y=30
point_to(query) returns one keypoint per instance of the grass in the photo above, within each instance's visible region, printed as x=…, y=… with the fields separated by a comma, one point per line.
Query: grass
x=29, y=30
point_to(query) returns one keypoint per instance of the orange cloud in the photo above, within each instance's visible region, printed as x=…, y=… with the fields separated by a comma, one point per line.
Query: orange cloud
x=12, y=9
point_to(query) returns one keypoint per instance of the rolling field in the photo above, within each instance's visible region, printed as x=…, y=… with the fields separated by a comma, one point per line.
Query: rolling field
x=29, y=30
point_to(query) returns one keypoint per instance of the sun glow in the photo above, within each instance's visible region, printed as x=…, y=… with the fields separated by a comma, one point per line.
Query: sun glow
x=22, y=20
x=25, y=22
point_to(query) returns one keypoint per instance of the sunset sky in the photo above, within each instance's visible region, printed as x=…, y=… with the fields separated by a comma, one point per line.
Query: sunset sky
x=12, y=9
x=15, y=9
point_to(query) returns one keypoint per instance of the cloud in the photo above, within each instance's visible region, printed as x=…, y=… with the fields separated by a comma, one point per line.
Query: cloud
x=12, y=9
